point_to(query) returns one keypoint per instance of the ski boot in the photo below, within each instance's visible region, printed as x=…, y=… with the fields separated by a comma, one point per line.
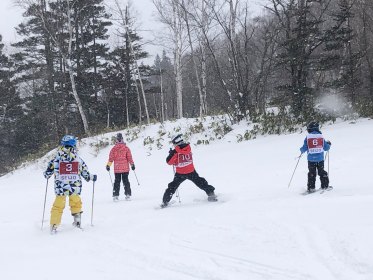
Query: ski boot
x=164, y=204
x=212, y=197
x=326, y=188
x=115, y=198
x=311, y=190
x=53, y=229
x=128, y=197
x=77, y=219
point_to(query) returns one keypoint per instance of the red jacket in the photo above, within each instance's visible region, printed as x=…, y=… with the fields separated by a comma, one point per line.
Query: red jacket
x=182, y=158
x=121, y=155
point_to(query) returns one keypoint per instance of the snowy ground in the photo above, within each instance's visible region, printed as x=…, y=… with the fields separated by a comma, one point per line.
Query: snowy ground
x=259, y=229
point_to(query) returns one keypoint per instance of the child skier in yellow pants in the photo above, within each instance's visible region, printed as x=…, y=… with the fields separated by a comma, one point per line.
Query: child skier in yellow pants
x=68, y=168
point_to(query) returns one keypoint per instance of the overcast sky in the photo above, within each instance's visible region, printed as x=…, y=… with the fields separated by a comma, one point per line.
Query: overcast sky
x=11, y=16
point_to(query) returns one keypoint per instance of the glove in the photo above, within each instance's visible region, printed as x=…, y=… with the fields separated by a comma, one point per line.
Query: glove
x=171, y=152
x=133, y=166
x=94, y=178
x=107, y=167
x=46, y=176
x=330, y=143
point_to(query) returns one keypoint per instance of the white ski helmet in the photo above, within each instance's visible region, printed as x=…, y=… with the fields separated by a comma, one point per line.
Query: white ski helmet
x=177, y=139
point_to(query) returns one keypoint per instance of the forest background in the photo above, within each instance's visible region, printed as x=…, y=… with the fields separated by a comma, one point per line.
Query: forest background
x=81, y=67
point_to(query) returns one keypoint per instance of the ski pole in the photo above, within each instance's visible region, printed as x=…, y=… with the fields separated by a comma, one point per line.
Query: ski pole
x=45, y=199
x=177, y=190
x=136, y=178
x=327, y=158
x=294, y=170
x=178, y=195
x=111, y=180
x=93, y=196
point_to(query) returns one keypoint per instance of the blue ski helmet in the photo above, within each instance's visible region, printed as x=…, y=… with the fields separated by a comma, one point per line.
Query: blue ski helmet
x=313, y=126
x=68, y=140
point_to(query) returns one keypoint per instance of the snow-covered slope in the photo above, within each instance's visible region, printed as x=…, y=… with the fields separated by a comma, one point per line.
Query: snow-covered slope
x=259, y=229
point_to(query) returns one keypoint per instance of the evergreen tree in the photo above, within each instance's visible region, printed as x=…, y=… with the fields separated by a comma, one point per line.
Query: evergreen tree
x=11, y=115
x=300, y=26
x=41, y=69
x=340, y=55
x=91, y=22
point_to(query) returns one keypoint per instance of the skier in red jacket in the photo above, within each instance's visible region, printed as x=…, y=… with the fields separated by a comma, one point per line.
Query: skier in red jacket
x=121, y=155
x=181, y=158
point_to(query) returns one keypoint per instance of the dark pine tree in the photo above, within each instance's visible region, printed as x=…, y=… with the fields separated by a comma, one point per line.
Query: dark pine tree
x=91, y=22
x=340, y=56
x=301, y=36
x=11, y=114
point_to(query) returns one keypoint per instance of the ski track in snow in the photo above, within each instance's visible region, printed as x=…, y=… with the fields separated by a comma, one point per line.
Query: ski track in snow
x=258, y=230
x=244, y=266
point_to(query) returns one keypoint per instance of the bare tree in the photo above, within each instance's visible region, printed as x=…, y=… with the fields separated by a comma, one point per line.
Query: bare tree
x=202, y=99
x=170, y=14
x=162, y=95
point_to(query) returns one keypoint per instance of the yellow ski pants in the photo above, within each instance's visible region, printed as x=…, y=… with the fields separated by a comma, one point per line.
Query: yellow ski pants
x=59, y=204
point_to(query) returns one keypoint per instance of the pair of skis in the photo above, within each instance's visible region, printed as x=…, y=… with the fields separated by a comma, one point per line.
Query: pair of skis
x=54, y=231
x=162, y=206
x=320, y=191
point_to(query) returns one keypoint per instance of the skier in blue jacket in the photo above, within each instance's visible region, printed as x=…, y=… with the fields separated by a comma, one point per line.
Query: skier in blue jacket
x=315, y=145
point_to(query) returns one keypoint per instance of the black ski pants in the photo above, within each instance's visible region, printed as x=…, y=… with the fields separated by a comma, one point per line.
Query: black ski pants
x=179, y=178
x=127, y=186
x=319, y=167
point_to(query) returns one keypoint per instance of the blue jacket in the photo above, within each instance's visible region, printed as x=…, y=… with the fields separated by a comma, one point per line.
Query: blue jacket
x=315, y=145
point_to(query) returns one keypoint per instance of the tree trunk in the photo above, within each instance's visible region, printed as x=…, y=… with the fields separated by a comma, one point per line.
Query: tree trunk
x=201, y=99
x=125, y=20
x=162, y=95
x=177, y=59
x=71, y=72
x=204, y=77
x=139, y=102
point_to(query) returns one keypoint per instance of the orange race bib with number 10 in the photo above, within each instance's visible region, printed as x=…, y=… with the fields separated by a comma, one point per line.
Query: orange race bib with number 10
x=184, y=160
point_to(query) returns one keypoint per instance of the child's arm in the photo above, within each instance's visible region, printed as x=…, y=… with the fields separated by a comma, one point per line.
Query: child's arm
x=304, y=148
x=327, y=145
x=172, y=156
